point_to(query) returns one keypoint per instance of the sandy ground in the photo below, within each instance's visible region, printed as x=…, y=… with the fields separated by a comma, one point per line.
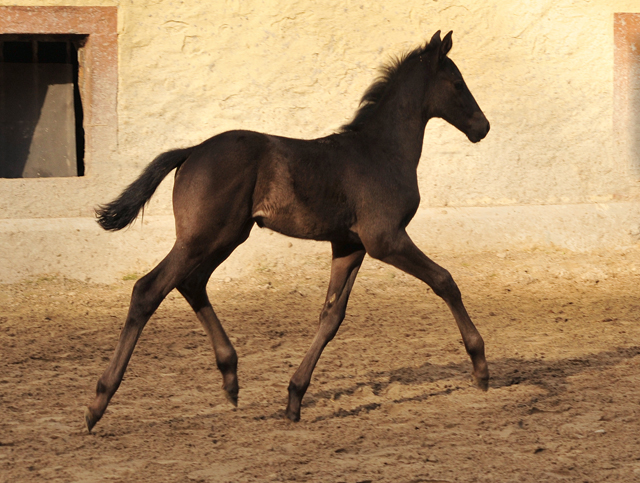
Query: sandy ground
x=391, y=398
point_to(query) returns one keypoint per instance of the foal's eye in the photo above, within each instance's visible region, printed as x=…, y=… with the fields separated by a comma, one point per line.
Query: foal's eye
x=458, y=85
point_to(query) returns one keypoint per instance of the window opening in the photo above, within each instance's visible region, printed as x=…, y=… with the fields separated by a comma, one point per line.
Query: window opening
x=41, y=115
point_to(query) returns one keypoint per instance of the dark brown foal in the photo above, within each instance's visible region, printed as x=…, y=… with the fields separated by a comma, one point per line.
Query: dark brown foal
x=357, y=189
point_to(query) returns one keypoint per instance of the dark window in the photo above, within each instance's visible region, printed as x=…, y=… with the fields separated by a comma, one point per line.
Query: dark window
x=17, y=52
x=53, y=52
x=41, y=133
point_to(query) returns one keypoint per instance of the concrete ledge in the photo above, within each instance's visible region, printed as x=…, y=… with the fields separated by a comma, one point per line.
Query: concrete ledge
x=78, y=248
x=576, y=227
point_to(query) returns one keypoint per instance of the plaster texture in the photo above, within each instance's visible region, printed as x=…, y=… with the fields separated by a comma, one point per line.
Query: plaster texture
x=559, y=167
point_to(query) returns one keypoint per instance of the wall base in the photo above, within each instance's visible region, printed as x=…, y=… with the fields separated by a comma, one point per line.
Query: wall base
x=77, y=248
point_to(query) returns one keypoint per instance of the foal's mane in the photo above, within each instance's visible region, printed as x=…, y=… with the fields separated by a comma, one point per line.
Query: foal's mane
x=376, y=91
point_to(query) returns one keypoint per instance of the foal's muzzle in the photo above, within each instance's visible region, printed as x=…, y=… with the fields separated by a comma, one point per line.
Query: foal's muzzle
x=478, y=127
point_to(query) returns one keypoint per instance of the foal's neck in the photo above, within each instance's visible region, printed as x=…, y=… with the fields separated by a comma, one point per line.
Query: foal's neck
x=398, y=123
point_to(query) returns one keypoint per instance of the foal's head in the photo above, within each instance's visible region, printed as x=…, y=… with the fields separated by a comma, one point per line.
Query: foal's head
x=448, y=96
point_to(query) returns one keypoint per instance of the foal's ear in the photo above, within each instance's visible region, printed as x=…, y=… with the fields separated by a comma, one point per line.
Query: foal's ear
x=446, y=44
x=435, y=40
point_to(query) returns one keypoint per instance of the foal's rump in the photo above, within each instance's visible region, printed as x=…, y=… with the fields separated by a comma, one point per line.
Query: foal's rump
x=230, y=159
x=214, y=187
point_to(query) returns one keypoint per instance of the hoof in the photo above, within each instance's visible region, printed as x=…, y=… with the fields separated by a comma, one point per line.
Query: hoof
x=481, y=382
x=232, y=397
x=291, y=416
x=90, y=419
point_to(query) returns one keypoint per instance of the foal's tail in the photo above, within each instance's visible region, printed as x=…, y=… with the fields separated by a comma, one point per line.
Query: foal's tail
x=122, y=211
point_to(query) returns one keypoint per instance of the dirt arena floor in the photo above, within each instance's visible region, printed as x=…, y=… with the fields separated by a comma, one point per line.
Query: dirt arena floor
x=391, y=398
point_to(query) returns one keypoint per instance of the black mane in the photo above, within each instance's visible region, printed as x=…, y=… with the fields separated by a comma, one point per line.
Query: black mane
x=377, y=90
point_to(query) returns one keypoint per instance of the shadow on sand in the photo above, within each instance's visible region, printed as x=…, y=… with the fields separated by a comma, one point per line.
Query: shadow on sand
x=548, y=375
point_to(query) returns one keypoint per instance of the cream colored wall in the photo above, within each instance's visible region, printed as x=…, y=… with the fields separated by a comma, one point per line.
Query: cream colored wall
x=541, y=70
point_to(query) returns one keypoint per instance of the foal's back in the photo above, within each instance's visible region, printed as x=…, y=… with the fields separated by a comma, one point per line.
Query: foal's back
x=300, y=188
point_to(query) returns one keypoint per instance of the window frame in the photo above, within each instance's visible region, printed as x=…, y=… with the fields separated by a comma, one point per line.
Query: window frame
x=97, y=69
x=626, y=65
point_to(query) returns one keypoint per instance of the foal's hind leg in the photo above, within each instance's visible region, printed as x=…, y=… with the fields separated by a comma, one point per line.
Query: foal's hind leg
x=147, y=295
x=402, y=253
x=344, y=268
x=194, y=290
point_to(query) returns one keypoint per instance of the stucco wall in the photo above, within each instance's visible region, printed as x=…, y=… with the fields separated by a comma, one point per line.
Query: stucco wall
x=552, y=171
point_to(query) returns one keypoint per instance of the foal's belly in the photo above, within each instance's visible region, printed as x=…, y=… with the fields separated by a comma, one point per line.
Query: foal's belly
x=299, y=222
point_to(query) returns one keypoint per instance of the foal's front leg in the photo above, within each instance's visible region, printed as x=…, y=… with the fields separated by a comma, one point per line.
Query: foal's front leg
x=403, y=254
x=344, y=268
